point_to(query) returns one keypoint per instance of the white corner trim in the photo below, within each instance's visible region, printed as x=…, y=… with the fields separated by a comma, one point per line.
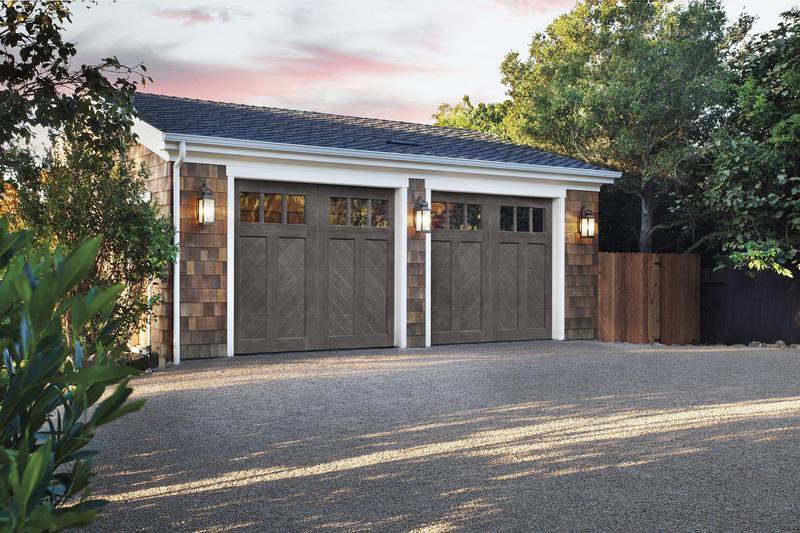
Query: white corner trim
x=248, y=148
x=229, y=280
x=558, y=320
x=176, y=276
x=428, y=278
x=400, y=265
x=151, y=138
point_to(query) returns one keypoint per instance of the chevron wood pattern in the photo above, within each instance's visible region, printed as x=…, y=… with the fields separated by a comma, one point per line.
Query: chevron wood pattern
x=327, y=286
x=341, y=287
x=491, y=284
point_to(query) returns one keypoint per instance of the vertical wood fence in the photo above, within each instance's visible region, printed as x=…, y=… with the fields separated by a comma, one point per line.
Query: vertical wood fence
x=647, y=298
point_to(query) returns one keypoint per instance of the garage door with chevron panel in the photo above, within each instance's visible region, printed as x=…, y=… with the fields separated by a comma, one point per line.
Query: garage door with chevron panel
x=490, y=268
x=314, y=267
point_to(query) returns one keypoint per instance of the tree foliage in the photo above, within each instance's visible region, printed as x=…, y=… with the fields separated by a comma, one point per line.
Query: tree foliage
x=80, y=194
x=631, y=85
x=753, y=188
x=39, y=85
x=484, y=117
x=51, y=402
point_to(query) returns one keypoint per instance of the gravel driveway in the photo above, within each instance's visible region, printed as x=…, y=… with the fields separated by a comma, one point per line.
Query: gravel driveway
x=509, y=436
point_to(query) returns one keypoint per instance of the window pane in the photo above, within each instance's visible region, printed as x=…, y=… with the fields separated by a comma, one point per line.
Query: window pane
x=523, y=219
x=337, y=215
x=296, y=209
x=248, y=207
x=438, y=215
x=538, y=219
x=455, y=216
x=358, y=208
x=507, y=218
x=273, y=208
x=473, y=217
x=380, y=217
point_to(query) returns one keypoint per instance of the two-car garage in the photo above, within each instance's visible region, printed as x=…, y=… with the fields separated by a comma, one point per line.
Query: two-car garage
x=315, y=267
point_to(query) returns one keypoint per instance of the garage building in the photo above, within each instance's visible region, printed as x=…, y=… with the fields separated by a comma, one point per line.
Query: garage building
x=299, y=231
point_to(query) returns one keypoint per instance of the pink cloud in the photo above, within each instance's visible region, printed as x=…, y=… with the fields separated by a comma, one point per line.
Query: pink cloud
x=199, y=15
x=304, y=79
x=311, y=63
x=535, y=6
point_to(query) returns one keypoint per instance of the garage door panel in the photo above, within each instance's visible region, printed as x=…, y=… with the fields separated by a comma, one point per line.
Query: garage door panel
x=253, y=282
x=290, y=290
x=341, y=287
x=506, y=286
x=469, y=286
x=441, y=286
x=375, y=292
x=537, y=291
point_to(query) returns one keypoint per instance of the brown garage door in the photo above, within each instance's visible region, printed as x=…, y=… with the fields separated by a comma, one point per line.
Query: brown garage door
x=314, y=267
x=490, y=268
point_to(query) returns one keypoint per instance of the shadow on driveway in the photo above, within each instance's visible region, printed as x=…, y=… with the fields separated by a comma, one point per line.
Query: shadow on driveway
x=533, y=435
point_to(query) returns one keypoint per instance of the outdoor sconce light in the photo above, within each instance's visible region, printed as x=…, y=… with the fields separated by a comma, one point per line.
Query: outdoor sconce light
x=587, y=223
x=422, y=215
x=205, y=206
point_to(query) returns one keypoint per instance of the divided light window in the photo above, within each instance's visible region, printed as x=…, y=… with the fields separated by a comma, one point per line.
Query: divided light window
x=359, y=212
x=267, y=208
x=451, y=215
x=522, y=219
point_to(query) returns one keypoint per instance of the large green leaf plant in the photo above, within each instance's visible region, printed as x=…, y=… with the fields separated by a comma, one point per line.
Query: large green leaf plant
x=58, y=383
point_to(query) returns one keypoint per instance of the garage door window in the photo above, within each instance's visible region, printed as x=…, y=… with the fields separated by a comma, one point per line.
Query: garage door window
x=456, y=216
x=274, y=207
x=522, y=219
x=358, y=212
x=295, y=209
x=248, y=206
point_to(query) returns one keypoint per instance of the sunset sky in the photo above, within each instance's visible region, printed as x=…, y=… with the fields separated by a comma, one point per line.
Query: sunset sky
x=393, y=59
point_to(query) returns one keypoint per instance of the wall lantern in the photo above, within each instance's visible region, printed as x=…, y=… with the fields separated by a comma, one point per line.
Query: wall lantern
x=205, y=206
x=587, y=223
x=422, y=216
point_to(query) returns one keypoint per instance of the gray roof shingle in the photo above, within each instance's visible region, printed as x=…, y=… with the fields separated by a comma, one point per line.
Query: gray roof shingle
x=171, y=114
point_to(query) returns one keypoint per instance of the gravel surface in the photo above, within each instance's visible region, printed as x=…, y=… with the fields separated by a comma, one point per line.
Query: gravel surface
x=509, y=436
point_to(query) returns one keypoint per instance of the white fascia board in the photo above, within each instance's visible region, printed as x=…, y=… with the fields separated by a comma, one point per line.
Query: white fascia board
x=151, y=138
x=245, y=148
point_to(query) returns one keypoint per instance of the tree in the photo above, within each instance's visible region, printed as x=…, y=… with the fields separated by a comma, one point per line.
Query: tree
x=631, y=85
x=753, y=189
x=51, y=403
x=483, y=117
x=87, y=187
x=39, y=86
x=80, y=194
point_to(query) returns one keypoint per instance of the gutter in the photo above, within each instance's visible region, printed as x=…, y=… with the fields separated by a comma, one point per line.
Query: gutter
x=593, y=175
x=176, y=275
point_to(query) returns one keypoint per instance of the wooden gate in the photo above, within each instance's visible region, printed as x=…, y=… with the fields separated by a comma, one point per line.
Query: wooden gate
x=647, y=298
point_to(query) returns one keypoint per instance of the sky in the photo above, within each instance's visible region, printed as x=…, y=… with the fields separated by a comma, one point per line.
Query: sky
x=395, y=59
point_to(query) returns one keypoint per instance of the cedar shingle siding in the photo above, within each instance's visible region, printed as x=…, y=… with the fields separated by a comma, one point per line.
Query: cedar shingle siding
x=160, y=186
x=581, y=270
x=203, y=265
x=415, y=328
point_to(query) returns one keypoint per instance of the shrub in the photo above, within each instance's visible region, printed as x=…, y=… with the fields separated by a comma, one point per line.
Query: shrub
x=52, y=401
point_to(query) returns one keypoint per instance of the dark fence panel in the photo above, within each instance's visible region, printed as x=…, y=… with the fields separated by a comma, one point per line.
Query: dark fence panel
x=738, y=309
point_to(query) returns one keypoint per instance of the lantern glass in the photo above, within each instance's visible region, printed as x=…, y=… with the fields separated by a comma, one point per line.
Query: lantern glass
x=422, y=217
x=205, y=206
x=587, y=224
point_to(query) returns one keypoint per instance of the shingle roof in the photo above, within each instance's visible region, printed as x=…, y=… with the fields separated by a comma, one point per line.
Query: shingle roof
x=188, y=116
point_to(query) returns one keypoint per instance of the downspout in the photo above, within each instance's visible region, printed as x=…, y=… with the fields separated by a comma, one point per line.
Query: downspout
x=176, y=275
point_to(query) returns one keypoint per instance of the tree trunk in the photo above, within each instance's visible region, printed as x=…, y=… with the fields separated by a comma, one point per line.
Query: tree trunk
x=646, y=226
